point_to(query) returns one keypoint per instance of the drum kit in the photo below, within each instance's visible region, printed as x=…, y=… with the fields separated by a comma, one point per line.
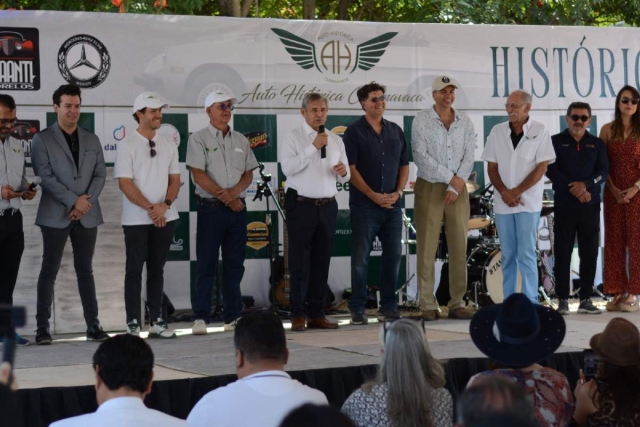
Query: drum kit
x=484, y=254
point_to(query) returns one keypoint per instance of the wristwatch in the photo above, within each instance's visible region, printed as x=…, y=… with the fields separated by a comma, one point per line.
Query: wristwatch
x=400, y=193
x=168, y=202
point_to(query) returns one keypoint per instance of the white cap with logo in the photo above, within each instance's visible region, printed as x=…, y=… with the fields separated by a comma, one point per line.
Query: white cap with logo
x=148, y=100
x=218, y=96
x=441, y=82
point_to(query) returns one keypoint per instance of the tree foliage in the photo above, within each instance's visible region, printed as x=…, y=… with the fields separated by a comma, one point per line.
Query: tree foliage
x=520, y=12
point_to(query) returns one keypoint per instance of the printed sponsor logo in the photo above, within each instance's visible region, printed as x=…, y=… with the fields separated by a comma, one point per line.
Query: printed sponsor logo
x=339, y=130
x=258, y=139
x=257, y=235
x=120, y=133
x=84, y=61
x=177, y=245
x=170, y=131
x=19, y=59
x=334, y=57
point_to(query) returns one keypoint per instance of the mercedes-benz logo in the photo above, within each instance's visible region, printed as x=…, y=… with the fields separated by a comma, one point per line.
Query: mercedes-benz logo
x=445, y=80
x=84, y=61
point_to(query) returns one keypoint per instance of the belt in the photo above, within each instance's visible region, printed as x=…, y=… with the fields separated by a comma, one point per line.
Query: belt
x=211, y=201
x=317, y=202
x=10, y=211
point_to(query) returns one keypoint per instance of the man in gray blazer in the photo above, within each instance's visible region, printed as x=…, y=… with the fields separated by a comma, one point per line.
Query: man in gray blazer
x=70, y=162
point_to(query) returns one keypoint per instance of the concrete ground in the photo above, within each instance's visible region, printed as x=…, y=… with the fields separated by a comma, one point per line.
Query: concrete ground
x=68, y=361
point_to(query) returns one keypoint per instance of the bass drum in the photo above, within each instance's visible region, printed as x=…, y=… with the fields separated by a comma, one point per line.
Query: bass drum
x=485, y=275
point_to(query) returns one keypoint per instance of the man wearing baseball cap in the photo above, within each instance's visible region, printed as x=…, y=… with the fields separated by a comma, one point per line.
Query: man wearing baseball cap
x=443, y=143
x=221, y=164
x=148, y=174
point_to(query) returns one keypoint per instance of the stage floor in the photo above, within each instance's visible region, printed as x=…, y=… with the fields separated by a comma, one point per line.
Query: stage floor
x=68, y=361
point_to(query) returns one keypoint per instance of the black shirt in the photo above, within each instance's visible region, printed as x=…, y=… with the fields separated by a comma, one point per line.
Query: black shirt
x=584, y=161
x=515, y=138
x=74, y=145
x=377, y=157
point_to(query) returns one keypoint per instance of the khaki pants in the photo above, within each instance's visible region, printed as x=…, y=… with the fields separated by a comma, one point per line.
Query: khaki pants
x=430, y=211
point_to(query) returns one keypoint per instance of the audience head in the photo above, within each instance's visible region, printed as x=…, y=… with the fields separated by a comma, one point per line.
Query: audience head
x=409, y=371
x=260, y=343
x=492, y=395
x=310, y=415
x=517, y=333
x=619, y=348
x=123, y=365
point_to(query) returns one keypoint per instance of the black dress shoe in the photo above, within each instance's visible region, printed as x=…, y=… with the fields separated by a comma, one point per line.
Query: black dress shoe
x=95, y=333
x=43, y=337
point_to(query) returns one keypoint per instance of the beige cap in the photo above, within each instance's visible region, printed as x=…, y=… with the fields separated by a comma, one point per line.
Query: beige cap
x=441, y=82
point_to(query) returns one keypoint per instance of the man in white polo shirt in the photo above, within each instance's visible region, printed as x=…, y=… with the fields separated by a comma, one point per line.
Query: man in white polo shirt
x=518, y=152
x=312, y=209
x=124, y=375
x=264, y=394
x=148, y=174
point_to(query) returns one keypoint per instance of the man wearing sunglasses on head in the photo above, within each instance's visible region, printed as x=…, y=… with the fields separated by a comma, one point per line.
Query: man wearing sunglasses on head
x=580, y=169
x=377, y=153
x=221, y=163
x=148, y=174
x=70, y=161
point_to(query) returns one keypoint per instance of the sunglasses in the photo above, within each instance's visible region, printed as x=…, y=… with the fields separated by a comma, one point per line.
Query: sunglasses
x=152, y=145
x=387, y=324
x=576, y=117
x=375, y=99
x=8, y=122
x=633, y=101
x=224, y=107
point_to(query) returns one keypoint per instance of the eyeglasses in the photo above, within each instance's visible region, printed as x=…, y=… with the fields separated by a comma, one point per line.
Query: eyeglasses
x=513, y=105
x=576, y=117
x=152, y=146
x=633, y=101
x=375, y=99
x=387, y=324
x=224, y=107
x=8, y=122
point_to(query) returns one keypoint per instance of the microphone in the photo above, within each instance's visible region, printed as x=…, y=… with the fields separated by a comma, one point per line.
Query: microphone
x=323, y=150
x=36, y=180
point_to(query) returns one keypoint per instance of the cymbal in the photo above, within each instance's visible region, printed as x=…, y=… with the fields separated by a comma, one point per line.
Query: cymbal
x=472, y=186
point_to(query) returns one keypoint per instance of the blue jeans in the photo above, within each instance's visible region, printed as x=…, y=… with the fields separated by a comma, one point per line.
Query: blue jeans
x=367, y=222
x=219, y=227
x=517, y=233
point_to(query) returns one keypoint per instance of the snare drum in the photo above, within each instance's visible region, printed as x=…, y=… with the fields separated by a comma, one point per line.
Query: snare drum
x=485, y=275
x=479, y=215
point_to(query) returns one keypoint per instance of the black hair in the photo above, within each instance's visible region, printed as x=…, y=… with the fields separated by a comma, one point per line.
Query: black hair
x=70, y=90
x=364, y=91
x=260, y=336
x=8, y=101
x=579, y=106
x=135, y=115
x=310, y=415
x=125, y=361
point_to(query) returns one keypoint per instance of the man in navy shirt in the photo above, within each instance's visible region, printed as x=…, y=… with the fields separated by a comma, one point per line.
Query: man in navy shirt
x=580, y=169
x=377, y=152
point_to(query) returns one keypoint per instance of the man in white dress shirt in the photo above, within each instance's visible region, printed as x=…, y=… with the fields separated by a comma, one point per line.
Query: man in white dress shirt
x=518, y=152
x=124, y=374
x=264, y=394
x=313, y=161
x=443, y=145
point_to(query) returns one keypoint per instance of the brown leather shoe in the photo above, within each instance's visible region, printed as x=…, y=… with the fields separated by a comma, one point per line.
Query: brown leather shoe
x=462, y=313
x=429, y=315
x=321, y=323
x=297, y=324
x=616, y=303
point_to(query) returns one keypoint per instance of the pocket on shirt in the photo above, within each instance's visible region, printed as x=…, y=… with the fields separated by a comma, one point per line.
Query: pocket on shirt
x=238, y=161
x=528, y=150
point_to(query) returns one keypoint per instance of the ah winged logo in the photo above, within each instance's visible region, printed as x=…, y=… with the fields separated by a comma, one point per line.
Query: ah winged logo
x=334, y=56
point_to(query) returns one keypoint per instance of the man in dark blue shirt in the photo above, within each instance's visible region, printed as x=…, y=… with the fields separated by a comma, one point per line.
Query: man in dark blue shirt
x=580, y=169
x=377, y=152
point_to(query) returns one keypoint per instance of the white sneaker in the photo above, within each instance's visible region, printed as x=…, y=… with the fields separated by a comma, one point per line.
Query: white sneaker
x=160, y=330
x=133, y=328
x=199, y=327
x=231, y=326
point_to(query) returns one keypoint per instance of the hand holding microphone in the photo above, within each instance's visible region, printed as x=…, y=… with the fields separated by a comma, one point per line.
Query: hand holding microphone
x=321, y=141
x=31, y=191
x=36, y=181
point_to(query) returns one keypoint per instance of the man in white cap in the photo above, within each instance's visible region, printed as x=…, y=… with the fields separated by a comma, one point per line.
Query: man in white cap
x=148, y=174
x=443, y=144
x=221, y=164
